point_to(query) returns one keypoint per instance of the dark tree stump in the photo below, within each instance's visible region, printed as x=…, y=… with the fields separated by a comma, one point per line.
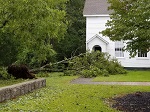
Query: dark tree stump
x=20, y=71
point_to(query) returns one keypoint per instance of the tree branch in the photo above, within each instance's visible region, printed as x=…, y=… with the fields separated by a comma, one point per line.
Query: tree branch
x=51, y=64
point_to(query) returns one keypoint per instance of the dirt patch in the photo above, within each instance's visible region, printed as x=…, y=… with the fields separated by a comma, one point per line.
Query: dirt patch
x=136, y=102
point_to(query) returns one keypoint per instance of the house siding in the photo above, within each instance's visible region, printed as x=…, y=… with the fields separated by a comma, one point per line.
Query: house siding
x=94, y=25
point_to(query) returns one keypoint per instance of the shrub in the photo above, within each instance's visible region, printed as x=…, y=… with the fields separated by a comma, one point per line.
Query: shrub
x=95, y=64
x=114, y=67
x=4, y=74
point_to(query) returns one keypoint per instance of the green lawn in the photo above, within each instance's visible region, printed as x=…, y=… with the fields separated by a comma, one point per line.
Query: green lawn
x=61, y=96
x=131, y=76
x=10, y=82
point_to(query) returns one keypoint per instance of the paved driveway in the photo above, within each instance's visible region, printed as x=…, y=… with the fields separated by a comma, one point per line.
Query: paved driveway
x=89, y=81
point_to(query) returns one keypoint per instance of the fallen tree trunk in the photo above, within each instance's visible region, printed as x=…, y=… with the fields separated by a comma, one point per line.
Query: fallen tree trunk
x=37, y=70
x=47, y=66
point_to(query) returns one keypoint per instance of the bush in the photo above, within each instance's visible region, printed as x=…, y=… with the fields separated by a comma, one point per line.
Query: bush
x=114, y=67
x=4, y=74
x=94, y=64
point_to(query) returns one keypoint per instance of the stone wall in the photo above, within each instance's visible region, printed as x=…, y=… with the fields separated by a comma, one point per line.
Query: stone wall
x=16, y=90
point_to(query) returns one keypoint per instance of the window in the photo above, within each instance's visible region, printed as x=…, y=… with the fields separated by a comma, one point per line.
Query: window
x=119, y=49
x=142, y=53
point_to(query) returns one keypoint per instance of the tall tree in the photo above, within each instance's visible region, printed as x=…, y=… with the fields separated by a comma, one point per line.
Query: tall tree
x=33, y=24
x=8, y=49
x=74, y=40
x=130, y=22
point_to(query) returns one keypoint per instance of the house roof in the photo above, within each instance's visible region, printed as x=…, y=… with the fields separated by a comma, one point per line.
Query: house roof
x=96, y=7
x=99, y=37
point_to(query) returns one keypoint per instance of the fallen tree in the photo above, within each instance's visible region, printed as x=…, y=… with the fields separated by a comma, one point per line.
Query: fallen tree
x=86, y=64
x=94, y=64
x=49, y=66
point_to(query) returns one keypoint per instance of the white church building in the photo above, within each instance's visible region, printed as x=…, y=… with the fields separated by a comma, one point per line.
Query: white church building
x=97, y=14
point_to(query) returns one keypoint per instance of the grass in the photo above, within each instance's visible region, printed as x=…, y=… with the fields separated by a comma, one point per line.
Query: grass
x=10, y=82
x=131, y=76
x=61, y=96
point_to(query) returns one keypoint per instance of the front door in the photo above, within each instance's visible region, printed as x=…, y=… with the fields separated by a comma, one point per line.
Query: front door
x=97, y=48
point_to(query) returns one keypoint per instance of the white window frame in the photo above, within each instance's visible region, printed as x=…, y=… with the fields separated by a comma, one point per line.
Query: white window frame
x=142, y=54
x=119, y=49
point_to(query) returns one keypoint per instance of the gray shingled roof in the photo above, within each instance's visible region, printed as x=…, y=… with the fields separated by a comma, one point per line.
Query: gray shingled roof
x=96, y=7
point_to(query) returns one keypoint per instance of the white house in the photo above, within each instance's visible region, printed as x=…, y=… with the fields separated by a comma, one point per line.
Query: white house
x=97, y=14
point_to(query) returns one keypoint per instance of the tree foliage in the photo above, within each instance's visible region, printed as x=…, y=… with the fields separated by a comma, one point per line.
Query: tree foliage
x=74, y=40
x=8, y=49
x=94, y=64
x=130, y=22
x=32, y=24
